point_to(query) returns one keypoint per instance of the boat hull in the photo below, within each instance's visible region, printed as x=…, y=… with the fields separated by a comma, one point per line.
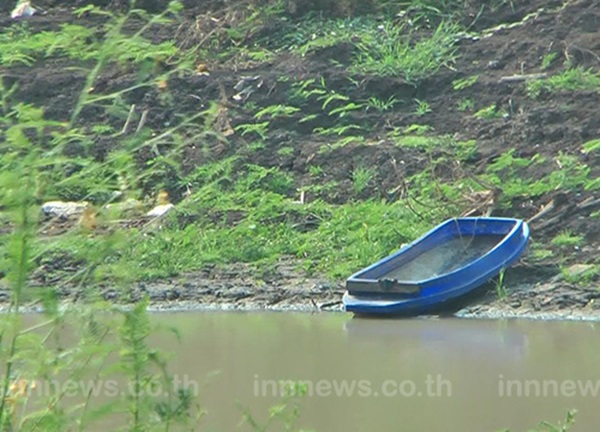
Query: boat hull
x=432, y=271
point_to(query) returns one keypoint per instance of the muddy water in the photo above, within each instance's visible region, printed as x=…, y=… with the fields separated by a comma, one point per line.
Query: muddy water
x=445, y=258
x=388, y=375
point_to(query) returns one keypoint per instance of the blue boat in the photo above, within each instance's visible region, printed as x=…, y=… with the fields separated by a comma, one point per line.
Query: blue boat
x=444, y=265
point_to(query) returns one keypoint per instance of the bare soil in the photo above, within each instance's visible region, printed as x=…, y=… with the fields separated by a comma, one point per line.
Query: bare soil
x=550, y=125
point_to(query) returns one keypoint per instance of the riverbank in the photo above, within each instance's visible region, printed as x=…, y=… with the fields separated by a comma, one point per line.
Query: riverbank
x=298, y=147
x=284, y=289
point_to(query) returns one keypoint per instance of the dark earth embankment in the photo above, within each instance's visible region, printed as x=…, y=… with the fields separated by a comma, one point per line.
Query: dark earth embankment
x=307, y=155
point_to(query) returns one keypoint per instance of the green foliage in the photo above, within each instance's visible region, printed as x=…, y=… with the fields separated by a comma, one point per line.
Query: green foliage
x=511, y=175
x=545, y=426
x=464, y=83
x=592, y=146
x=567, y=239
x=283, y=416
x=489, y=113
x=275, y=111
x=394, y=52
x=466, y=105
x=422, y=108
x=500, y=286
x=575, y=79
x=19, y=46
x=361, y=178
x=380, y=104
x=285, y=151
x=548, y=59
x=259, y=129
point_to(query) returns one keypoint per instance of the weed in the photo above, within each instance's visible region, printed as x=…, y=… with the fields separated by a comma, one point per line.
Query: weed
x=591, y=146
x=576, y=79
x=500, y=286
x=422, y=108
x=256, y=146
x=567, y=239
x=542, y=254
x=275, y=111
x=581, y=276
x=315, y=171
x=345, y=109
x=510, y=173
x=489, y=113
x=259, y=129
x=463, y=83
x=393, y=52
x=466, y=105
x=548, y=59
x=417, y=129
x=285, y=151
x=361, y=178
x=569, y=421
x=380, y=104
x=285, y=415
x=339, y=130
x=302, y=91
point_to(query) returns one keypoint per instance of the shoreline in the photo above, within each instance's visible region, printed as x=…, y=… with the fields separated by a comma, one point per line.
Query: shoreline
x=241, y=288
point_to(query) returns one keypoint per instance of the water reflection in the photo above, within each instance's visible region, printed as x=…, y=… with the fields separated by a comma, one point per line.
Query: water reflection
x=468, y=362
x=488, y=340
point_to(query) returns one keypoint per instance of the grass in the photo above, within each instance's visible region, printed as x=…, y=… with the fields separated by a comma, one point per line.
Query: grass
x=510, y=174
x=466, y=105
x=489, y=113
x=567, y=239
x=348, y=237
x=575, y=79
x=463, y=83
x=392, y=52
x=422, y=108
x=361, y=178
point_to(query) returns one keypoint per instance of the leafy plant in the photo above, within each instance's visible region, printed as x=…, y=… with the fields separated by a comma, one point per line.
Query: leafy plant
x=417, y=129
x=422, y=108
x=393, y=52
x=466, y=105
x=380, y=104
x=361, y=178
x=567, y=239
x=548, y=59
x=500, y=286
x=570, y=80
x=489, y=113
x=285, y=151
x=275, y=111
x=259, y=129
x=463, y=83
x=592, y=146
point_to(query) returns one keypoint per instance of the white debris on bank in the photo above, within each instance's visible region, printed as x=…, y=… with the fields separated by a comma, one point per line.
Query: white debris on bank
x=63, y=209
x=68, y=209
x=23, y=10
x=160, y=210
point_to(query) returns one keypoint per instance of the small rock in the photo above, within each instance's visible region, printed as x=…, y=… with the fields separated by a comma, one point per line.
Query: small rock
x=160, y=210
x=494, y=65
x=63, y=209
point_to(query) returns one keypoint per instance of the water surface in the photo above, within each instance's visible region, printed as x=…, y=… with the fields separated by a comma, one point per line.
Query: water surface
x=446, y=257
x=409, y=375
